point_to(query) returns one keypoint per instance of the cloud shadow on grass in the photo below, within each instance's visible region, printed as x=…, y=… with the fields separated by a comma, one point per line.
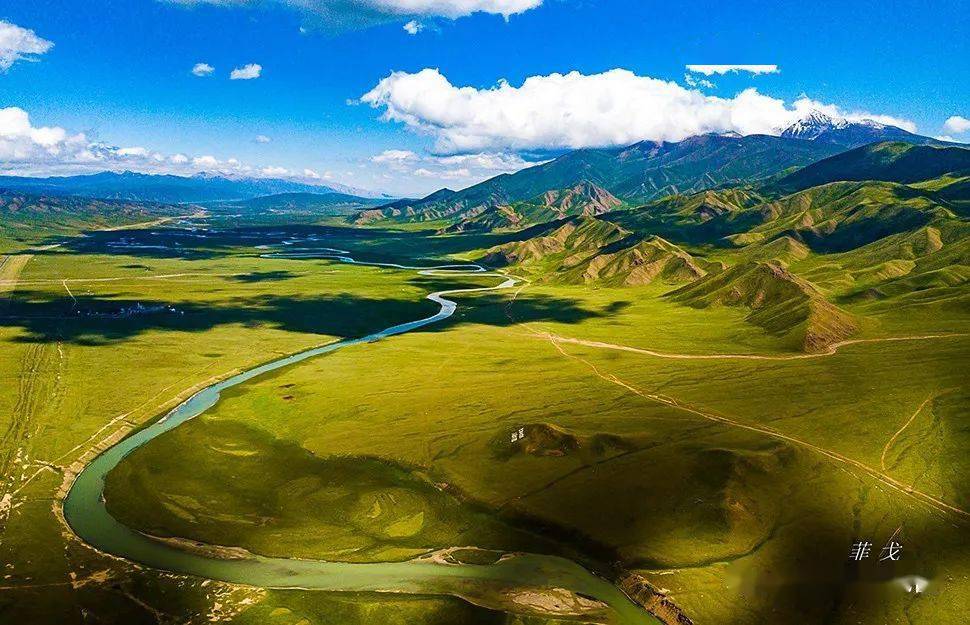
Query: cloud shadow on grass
x=101, y=320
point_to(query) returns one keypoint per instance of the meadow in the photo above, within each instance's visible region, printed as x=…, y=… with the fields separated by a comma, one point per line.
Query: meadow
x=683, y=445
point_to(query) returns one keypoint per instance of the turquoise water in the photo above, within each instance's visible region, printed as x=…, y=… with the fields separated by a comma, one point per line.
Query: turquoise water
x=87, y=515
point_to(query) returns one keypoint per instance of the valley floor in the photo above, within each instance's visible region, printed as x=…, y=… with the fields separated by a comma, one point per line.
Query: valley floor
x=685, y=446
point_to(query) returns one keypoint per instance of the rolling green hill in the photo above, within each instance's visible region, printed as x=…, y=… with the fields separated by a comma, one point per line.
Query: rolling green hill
x=888, y=161
x=780, y=302
x=795, y=262
x=843, y=215
x=32, y=218
x=585, y=199
x=585, y=250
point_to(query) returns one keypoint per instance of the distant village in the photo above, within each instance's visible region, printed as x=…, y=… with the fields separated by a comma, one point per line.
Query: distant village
x=131, y=311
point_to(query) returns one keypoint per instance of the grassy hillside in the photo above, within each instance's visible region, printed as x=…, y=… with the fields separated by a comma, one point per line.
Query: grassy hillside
x=887, y=161
x=844, y=215
x=28, y=219
x=583, y=199
x=793, y=263
x=587, y=250
x=780, y=302
x=636, y=173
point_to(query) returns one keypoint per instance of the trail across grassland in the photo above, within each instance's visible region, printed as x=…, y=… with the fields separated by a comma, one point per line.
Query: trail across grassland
x=891, y=482
x=907, y=490
x=892, y=441
x=831, y=350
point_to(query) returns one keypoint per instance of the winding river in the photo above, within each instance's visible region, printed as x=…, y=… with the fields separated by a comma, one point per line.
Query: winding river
x=494, y=586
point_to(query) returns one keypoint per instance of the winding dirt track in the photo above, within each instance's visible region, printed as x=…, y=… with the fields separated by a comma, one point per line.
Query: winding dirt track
x=831, y=351
x=892, y=441
x=909, y=491
x=905, y=489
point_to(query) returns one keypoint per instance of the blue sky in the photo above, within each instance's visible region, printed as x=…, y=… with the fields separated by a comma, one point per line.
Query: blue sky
x=119, y=73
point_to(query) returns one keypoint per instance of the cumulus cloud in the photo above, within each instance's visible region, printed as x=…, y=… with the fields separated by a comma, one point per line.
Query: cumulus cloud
x=395, y=157
x=413, y=27
x=343, y=14
x=205, y=162
x=202, y=69
x=26, y=149
x=19, y=44
x=21, y=141
x=576, y=110
x=311, y=174
x=957, y=124
x=246, y=72
x=262, y=139
x=691, y=81
x=463, y=168
x=133, y=151
x=710, y=70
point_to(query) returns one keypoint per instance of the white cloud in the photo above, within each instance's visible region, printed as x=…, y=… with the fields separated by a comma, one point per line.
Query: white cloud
x=246, y=72
x=363, y=13
x=691, y=81
x=413, y=27
x=202, y=69
x=205, y=162
x=464, y=168
x=26, y=149
x=709, y=70
x=394, y=157
x=575, y=110
x=134, y=151
x=484, y=161
x=431, y=8
x=19, y=44
x=462, y=173
x=957, y=124
x=21, y=141
x=451, y=8
x=262, y=139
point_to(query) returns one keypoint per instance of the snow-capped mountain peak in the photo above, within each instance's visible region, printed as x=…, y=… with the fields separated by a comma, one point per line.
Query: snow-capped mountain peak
x=813, y=124
x=819, y=126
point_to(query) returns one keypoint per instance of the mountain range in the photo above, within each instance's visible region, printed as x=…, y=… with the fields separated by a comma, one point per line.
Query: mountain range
x=889, y=161
x=166, y=187
x=807, y=254
x=317, y=203
x=817, y=126
x=806, y=235
x=30, y=219
x=647, y=170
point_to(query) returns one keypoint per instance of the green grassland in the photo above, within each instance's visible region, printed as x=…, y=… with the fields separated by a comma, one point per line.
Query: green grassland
x=735, y=523
x=701, y=500
x=75, y=371
x=718, y=393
